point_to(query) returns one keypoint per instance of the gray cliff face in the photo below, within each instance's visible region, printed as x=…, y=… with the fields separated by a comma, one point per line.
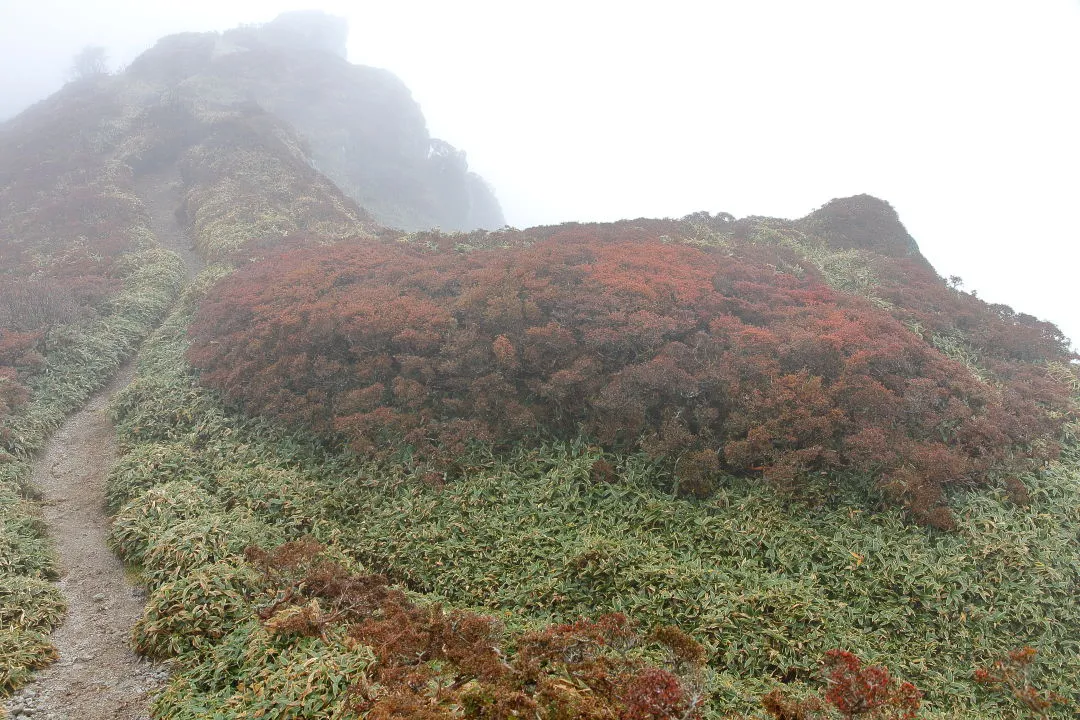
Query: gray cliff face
x=361, y=126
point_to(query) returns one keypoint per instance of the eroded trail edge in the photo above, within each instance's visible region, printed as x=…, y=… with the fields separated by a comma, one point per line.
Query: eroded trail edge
x=98, y=676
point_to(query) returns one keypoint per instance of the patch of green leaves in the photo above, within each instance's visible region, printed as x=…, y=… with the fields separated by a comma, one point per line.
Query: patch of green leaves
x=255, y=673
x=143, y=519
x=186, y=545
x=29, y=603
x=194, y=611
x=21, y=652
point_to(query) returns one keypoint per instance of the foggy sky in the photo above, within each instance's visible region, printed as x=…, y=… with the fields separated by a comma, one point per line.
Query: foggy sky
x=962, y=114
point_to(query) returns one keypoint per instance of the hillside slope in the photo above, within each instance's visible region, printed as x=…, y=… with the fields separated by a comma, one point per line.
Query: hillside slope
x=474, y=478
x=358, y=125
x=83, y=279
x=370, y=473
x=549, y=529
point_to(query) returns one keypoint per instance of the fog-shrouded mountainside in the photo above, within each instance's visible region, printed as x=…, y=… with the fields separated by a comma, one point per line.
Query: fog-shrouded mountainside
x=383, y=457
x=357, y=125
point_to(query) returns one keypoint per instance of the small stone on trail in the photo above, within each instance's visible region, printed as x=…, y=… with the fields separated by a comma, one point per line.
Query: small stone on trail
x=100, y=597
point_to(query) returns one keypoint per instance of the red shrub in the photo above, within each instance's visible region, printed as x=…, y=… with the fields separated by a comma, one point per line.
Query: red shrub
x=858, y=690
x=435, y=664
x=12, y=396
x=642, y=343
x=19, y=358
x=1014, y=675
x=853, y=690
x=654, y=694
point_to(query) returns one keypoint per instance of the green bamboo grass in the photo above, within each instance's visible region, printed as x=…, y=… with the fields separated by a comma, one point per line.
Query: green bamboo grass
x=768, y=585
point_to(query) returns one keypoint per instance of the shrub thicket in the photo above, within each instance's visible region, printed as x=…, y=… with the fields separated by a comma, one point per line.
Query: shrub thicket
x=733, y=357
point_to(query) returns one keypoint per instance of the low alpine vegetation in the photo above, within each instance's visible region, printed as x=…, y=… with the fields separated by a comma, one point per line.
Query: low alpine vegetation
x=733, y=357
x=547, y=534
x=373, y=652
x=82, y=281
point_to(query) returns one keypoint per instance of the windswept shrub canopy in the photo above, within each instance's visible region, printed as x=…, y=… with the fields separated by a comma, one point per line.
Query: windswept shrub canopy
x=735, y=356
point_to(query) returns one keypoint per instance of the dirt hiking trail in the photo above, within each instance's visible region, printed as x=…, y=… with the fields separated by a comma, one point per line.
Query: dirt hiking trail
x=162, y=194
x=98, y=676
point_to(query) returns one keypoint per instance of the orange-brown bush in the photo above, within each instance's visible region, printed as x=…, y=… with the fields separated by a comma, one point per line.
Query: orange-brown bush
x=853, y=690
x=712, y=358
x=438, y=664
x=1014, y=676
x=18, y=358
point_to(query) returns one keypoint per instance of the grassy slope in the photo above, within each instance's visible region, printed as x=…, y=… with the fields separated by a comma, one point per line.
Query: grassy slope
x=767, y=586
x=248, y=179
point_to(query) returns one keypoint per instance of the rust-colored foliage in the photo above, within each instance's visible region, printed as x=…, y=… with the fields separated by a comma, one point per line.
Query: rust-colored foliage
x=435, y=664
x=853, y=690
x=858, y=690
x=602, y=472
x=684, y=651
x=714, y=359
x=781, y=707
x=1014, y=676
x=18, y=358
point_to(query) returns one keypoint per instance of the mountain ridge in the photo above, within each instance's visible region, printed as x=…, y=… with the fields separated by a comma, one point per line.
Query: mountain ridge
x=738, y=444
